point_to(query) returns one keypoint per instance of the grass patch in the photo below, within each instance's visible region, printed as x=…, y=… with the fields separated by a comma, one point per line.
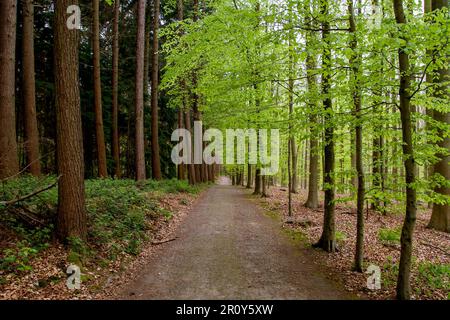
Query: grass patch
x=389, y=235
x=295, y=235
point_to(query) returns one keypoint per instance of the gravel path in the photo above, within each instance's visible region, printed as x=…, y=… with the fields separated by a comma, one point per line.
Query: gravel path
x=226, y=248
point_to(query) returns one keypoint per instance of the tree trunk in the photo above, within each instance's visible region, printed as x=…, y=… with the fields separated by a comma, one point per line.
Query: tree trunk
x=294, y=153
x=99, y=131
x=257, y=190
x=403, y=281
x=264, y=187
x=313, y=179
x=355, y=63
x=156, y=165
x=115, y=91
x=9, y=161
x=440, y=217
x=71, y=220
x=327, y=240
x=249, y=176
x=29, y=90
x=139, y=102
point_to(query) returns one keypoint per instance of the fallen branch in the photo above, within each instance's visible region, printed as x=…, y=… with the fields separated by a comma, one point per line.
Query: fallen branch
x=155, y=243
x=32, y=194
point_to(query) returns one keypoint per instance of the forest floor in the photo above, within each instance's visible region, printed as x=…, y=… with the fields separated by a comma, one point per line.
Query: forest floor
x=127, y=223
x=430, y=277
x=227, y=248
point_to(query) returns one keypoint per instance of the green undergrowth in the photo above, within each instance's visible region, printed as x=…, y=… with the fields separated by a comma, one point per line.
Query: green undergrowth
x=120, y=214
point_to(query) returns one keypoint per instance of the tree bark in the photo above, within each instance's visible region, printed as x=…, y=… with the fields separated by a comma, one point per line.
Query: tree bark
x=9, y=161
x=327, y=240
x=156, y=165
x=99, y=130
x=71, y=221
x=115, y=91
x=403, y=281
x=313, y=179
x=440, y=217
x=355, y=63
x=29, y=90
x=249, y=176
x=139, y=102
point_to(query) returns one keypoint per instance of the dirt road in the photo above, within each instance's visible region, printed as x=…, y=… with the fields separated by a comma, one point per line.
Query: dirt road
x=228, y=249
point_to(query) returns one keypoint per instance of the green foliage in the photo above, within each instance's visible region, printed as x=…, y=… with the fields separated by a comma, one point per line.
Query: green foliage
x=437, y=276
x=389, y=235
x=341, y=236
x=17, y=259
x=119, y=213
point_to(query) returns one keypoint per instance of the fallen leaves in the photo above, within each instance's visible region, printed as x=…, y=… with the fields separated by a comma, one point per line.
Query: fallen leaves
x=430, y=246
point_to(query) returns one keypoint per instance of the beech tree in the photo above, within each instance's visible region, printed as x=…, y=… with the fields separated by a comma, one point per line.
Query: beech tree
x=403, y=282
x=327, y=240
x=440, y=218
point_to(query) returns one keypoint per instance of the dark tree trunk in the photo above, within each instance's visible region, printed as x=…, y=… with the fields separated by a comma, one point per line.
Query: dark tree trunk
x=9, y=161
x=29, y=90
x=440, y=217
x=139, y=102
x=99, y=130
x=264, y=187
x=355, y=63
x=403, y=282
x=156, y=165
x=71, y=220
x=249, y=176
x=327, y=240
x=115, y=91
x=257, y=190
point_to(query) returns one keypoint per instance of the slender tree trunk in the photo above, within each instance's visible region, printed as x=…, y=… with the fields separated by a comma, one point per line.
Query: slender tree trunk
x=99, y=131
x=327, y=240
x=376, y=170
x=440, y=217
x=403, y=282
x=71, y=220
x=257, y=190
x=313, y=179
x=429, y=112
x=115, y=91
x=249, y=176
x=9, y=161
x=355, y=63
x=29, y=90
x=294, y=152
x=156, y=165
x=139, y=102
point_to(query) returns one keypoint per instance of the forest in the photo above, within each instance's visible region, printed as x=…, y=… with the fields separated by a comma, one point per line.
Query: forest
x=91, y=92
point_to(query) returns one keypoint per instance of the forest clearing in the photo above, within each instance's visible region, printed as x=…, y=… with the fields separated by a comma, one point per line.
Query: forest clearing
x=224, y=149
